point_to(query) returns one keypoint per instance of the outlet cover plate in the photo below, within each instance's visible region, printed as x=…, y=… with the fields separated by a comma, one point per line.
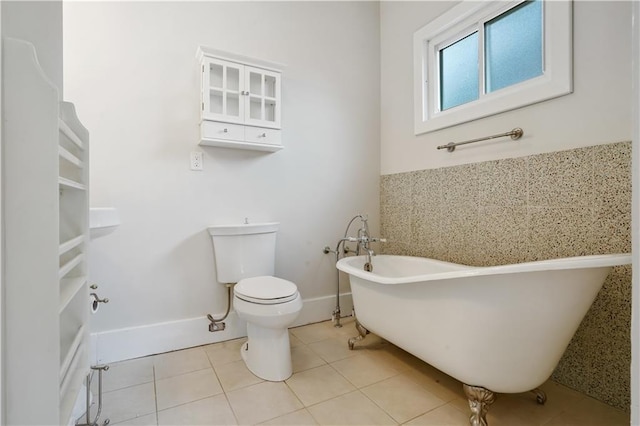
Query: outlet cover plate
x=197, y=160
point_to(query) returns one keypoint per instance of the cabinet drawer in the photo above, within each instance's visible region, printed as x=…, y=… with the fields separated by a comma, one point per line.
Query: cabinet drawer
x=262, y=135
x=216, y=130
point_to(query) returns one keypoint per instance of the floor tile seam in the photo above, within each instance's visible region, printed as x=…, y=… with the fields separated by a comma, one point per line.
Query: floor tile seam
x=307, y=407
x=328, y=399
x=155, y=410
x=104, y=392
x=215, y=372
x=206, y=354
x=243, y=386
x=428, y=411
x=308, y=369
x=427, y=389
x=367, y=397
x=135, y=417
x=315, y=366
x=331, y=360
x=368, y=384
x=189, y=372
x=235, y=416
x=397, y=420
x=213, y=364
x=273, y=418
x=333, y=368
x=337, y=337
x=197, y=400
x=314, y=417
x=313, y=340
x=155, y=393
x=225, y=363
x=294, y=394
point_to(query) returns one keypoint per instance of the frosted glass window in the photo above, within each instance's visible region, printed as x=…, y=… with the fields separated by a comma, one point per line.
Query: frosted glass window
x=523, y=56
x=513, y=46
x=459, y=72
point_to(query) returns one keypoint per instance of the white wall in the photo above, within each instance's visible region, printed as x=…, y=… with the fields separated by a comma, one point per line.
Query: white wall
x=131, y=69
x=597, y=112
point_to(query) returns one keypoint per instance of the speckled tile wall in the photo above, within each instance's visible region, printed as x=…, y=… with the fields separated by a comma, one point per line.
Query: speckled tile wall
x=566, y=203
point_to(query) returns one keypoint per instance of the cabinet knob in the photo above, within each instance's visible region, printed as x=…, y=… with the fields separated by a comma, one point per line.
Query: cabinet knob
x=264, y=135
x=225, y=131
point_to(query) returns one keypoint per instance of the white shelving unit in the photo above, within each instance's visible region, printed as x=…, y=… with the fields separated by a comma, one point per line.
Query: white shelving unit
x=241, y=101
x=73, y=300
x=46, y=176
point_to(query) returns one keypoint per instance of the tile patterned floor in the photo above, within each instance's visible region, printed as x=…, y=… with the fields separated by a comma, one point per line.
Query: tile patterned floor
x=376, y=384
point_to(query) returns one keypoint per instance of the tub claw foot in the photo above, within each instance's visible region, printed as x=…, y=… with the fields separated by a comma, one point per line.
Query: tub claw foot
x=541, y=397
x=479, y=401
x=362, y=334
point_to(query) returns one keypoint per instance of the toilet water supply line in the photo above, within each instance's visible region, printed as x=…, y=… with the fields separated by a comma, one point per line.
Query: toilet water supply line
x=218, y=324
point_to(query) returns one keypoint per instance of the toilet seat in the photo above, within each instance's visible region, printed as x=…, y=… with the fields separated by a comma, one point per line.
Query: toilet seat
x=265, y=290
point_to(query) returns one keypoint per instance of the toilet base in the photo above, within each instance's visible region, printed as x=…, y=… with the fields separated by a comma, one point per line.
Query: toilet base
x=267, y=353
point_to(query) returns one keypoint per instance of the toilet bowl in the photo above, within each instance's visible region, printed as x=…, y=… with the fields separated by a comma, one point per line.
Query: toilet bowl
x=269, y=305
x=245, y=255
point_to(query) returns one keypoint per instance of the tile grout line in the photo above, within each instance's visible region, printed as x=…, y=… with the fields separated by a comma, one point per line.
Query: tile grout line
x=155, y=393
x=224, y=392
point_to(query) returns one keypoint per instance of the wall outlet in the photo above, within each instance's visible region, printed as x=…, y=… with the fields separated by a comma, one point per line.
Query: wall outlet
x=196, y=160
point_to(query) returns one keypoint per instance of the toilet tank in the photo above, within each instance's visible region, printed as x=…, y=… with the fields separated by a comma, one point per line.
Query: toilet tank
x=244, y=250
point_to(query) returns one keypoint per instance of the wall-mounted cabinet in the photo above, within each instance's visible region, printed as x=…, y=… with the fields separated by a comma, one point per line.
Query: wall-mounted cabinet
x=241, y=101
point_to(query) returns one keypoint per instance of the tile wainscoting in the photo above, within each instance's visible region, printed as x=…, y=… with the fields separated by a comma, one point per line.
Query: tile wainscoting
x=560, y=204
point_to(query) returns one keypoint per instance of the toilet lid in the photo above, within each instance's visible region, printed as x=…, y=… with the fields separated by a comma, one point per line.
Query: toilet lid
x=266, y=290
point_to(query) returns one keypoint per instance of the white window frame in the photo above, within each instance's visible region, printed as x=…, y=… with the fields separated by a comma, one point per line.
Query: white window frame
x=466, y=18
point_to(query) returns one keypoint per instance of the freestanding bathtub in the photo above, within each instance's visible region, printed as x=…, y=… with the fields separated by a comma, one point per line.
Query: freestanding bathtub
x=496, y=329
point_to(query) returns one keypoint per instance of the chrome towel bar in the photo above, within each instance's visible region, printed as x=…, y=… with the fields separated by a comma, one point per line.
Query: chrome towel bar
x=515, y=134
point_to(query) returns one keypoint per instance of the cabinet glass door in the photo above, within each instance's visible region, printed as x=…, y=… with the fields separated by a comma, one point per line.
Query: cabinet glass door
x=222, y=94
x=263, y=106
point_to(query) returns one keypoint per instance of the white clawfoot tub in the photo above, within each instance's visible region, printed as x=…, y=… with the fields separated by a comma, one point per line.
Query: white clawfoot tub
x=496, y=329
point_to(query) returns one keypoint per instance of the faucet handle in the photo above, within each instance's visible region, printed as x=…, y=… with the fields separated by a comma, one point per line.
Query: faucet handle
x=379, y=240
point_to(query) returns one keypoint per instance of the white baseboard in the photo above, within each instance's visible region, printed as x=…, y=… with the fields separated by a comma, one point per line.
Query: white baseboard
x=135, y=342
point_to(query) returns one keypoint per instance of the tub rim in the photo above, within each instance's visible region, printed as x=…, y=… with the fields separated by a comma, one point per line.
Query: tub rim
x=575, y=262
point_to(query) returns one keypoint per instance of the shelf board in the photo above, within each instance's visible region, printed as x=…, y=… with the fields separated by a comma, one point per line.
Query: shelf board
x=68, y=183
x=70, y=134
x=222, y=143
x=69, y=287
x=70, y=157
x=68, y=266
x=72, y=388
x=71, y=382
x=70, y=244
x=72, y=353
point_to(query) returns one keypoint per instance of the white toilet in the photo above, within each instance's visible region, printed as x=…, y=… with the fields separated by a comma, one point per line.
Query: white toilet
x=245, y=254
